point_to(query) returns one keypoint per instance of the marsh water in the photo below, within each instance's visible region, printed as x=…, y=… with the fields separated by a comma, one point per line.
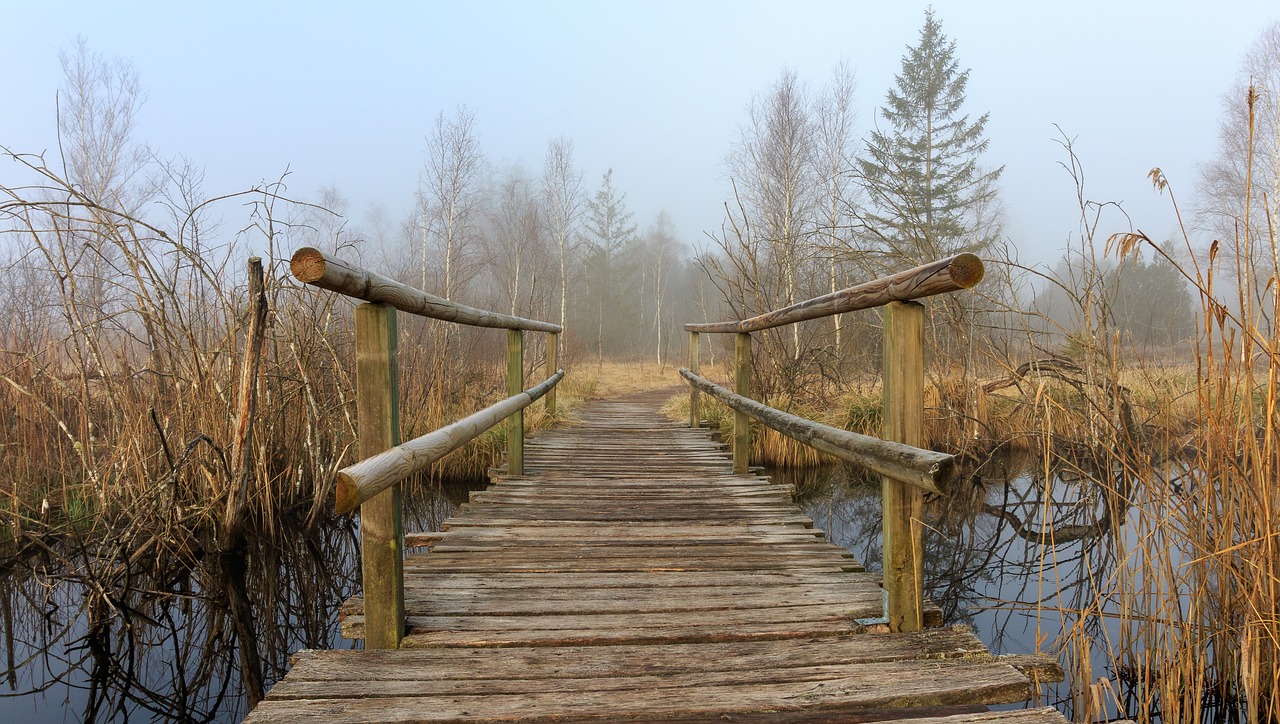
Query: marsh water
x=83, y=641
x=90, y=635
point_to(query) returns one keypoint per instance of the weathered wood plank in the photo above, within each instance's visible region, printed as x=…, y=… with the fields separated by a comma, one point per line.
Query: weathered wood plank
x=878, y=685
x=622, y=660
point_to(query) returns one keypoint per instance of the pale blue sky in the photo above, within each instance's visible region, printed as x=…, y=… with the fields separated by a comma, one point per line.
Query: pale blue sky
x=344, y=93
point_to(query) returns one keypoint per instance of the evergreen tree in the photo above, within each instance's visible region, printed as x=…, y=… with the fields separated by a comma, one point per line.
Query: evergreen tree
x=609, y=230
x=929, y=196
x=1152, y=303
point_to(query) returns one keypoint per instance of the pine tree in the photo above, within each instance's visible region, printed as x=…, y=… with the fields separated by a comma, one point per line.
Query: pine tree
x=609, y=229
x=929, y=196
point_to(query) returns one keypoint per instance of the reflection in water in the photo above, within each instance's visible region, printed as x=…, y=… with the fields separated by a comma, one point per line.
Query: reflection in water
x=1033, y=559
x=93, y=634
x=1028, y=556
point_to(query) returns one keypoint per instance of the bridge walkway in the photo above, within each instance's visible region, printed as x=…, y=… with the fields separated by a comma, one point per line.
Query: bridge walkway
x=629, y=575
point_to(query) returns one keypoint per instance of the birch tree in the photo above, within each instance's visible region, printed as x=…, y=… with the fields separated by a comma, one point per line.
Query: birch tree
x=834, y=121
x=1239, y=190
x=450, y=197
x=562, y=200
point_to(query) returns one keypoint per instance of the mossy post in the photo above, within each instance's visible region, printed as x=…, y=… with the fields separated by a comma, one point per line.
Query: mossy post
x=742, y=386
x=903, y=417
x=515, y=385
x=553, y=354
x=695, y=412
x=381, y=535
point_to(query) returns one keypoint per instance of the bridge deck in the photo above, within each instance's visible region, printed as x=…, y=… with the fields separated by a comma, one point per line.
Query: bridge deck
x=629, y=575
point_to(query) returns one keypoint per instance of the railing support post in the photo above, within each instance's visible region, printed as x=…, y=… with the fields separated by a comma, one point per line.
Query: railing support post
x=903, y=420
x=742, y=386
x=515, y=385
x=695, y=411
x=378, y=414
x=553, y=354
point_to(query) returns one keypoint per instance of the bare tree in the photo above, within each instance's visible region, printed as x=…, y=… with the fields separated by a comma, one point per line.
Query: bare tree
x=512, y=239
x=562, y=199
x=1240, y=189
x=661, y=250
x=834, y=121
x=449, y=196
x=774, y=163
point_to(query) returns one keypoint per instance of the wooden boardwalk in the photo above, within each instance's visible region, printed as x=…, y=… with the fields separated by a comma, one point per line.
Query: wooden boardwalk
x=630, y=576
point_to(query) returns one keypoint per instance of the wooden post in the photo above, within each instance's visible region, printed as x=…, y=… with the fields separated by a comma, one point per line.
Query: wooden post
x=515, y=385
x=903, y=417
x=695, y=412
x=742, y=386
x=553, y=354
x=381, y=535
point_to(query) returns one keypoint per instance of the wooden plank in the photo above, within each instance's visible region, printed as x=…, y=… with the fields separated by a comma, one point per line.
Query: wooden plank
x=634, y=579
x=393, y=685
x=601, y=521
x=876, y=685
x=605, y=600
x=623, y=660
x=674, y=531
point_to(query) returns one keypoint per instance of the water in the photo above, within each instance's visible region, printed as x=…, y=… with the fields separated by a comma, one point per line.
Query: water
x=88, y=636
x=93, y=638
x=1028, y=558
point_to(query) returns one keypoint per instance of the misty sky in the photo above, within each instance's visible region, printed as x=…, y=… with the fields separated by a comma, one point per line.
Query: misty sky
x=344, y=93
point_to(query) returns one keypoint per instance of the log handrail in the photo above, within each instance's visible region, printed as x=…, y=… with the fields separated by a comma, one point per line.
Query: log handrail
x=952, y=274
x=319, y=269
x=373, y=483
x=906, y=469
x=365, y=479
x=931, y=471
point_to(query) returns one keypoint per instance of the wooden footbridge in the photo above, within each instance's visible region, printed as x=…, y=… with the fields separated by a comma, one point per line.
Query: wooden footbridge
x=622, y=569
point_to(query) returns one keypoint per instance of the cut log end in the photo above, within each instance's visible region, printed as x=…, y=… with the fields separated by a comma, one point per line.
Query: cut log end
x=966, y=270
x=944, y=474
x=307, y=264
x=345, y=494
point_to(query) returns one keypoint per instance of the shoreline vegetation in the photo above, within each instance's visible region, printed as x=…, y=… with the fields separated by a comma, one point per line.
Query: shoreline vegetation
x=169, y=413
x=127, y=450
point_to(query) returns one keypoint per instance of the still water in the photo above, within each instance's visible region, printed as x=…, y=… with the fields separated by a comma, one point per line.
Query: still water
x=88, y=636
x=93, y=636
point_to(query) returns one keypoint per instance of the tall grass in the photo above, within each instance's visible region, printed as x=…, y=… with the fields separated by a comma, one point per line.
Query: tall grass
x=1166, y=462
x=122, y=341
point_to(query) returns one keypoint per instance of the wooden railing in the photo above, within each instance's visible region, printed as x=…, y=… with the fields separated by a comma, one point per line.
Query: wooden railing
x=373, y=483
x=907, y=470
